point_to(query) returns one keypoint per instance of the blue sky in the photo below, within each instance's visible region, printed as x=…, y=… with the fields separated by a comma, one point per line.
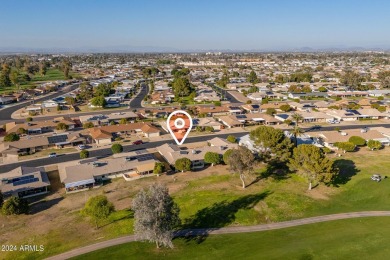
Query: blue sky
x=196, y=24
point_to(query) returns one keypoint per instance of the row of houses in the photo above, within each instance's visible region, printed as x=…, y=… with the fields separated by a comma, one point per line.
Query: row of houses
x=10, y=151
x=39, y=127
x=329, y=138
x=77, y=175
x=90, y=173
x=103, y=135
x=31, y=93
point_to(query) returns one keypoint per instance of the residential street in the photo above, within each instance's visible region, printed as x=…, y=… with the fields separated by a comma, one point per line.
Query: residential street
x=5, y=113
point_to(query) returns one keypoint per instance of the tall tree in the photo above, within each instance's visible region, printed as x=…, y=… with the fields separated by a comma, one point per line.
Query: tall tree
x=311, y=162
x=181, y=87
x=296, y=131
x=99, y=101
x=351, y=79
x=241, y=160
x=156, y=215
x=252, y=77
x=42, y=68
x=85, y=92
x=297, y=117
x=102, y=90
x=384, y=78
x=66, y=67
x=14, y=77
x=5, y=76
x=272, y=143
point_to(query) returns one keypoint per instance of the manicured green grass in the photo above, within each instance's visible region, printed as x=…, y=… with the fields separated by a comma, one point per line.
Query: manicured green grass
x=363, y=238
x=218, y=201
x=51, y=75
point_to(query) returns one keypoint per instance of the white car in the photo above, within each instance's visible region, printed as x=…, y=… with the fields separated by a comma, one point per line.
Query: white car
x=81, y=147
x=52, y=155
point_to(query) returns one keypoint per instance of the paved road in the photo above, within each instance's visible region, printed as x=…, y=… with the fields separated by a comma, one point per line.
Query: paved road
x=136, y=102
x=105, y=152
x=226, y=94
x=227, y=230
x=5, y=113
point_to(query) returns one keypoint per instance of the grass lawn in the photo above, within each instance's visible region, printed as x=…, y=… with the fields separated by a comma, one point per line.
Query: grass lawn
x=51, y=75
x=214, y=198
x=363, y=238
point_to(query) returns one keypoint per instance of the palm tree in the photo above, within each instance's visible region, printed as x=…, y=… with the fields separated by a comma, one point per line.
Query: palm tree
x=296, y=131
x=297, y=117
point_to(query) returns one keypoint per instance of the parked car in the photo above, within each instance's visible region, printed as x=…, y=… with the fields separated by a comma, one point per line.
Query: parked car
x=82, y=147
x=138, y=142
x=52, y=155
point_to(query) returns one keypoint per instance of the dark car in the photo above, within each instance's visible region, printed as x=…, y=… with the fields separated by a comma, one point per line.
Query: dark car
x=138, y=142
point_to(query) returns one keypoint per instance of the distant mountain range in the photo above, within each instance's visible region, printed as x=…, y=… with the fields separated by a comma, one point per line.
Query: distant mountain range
x=157, y=49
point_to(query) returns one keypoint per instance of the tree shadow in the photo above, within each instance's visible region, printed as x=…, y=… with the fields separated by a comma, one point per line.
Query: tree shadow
x=42, y=205
x=347, y=170
x=218, y=215
x=276, y=170
x=127, y=216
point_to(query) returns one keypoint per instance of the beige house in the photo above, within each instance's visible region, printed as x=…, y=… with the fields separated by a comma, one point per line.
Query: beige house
x=24, y=182
x=91, y=172
x=39, y=127
x=208, y=122
x=31, y=145
x=329, y=138
x=103, y=135
x=172, y=152
x=100, y=137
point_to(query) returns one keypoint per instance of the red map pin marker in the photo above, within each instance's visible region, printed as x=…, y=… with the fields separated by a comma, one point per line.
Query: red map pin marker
x=179, y=124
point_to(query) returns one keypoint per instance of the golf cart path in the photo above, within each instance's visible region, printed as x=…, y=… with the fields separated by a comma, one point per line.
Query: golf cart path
x=225, y=230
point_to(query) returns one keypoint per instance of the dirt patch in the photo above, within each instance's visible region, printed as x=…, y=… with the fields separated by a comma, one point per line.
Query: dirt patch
x=320, y=192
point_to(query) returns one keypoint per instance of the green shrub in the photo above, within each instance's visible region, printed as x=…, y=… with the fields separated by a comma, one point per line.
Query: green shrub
x=231, y=139
x=117, y=148
x=15, y=206
x=357, y=140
